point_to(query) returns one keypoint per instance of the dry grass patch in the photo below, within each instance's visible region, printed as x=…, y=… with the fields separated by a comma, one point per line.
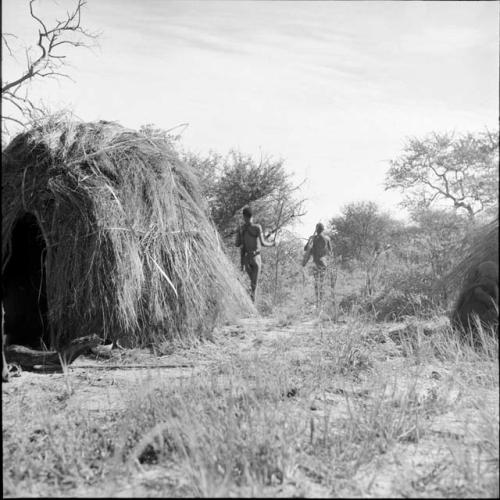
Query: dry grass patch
x=297, y=414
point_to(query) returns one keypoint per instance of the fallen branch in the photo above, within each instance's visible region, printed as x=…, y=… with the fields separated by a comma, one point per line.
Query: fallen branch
x=47, y=368
x=27, y=358
x=125, y=367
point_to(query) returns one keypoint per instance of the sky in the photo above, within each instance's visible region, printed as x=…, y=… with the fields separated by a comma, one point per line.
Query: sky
x=332, y=87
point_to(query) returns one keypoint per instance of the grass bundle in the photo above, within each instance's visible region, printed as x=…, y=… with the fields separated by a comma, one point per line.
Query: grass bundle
x=130, y=252
x=482, y=246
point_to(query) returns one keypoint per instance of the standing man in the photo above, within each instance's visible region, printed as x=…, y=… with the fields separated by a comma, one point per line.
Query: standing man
x=250, y=239
x=319, y=246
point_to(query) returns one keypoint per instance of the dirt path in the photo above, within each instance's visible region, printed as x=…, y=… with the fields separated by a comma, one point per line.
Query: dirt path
x=101, y=389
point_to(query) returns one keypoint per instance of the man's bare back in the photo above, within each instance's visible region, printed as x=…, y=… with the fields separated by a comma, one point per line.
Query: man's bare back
x=250, y=239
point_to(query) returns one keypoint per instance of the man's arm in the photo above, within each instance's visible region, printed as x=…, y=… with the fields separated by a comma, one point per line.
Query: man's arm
x=263, y=242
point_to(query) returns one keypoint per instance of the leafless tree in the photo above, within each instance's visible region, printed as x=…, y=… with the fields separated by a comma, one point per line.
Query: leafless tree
x=43, y=59
x=461, y=170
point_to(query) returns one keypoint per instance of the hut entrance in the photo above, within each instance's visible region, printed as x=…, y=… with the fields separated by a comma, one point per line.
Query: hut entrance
x=24, y=295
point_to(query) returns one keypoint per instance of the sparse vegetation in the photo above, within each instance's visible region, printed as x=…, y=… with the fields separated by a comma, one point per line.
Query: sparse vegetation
x=315, y=409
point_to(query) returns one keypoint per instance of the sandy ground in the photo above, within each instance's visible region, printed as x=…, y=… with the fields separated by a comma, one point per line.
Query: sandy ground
x=407, y=469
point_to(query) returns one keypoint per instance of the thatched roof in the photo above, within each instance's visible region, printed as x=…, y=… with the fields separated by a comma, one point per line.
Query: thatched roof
x=481, y=246
x=130, y=251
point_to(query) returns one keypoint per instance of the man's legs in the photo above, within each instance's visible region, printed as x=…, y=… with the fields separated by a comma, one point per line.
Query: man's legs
x=316, y=286
x=319, y=278
x=253, y=265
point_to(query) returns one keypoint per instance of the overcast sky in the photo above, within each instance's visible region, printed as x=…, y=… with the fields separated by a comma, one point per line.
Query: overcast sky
x=332, y=87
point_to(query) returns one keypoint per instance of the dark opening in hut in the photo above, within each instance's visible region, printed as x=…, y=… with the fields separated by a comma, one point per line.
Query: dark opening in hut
x=104, y=231
x=24, y=292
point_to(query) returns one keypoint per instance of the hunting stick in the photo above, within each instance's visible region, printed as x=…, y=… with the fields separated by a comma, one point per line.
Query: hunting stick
x=276, y=260
x=303, y=266
x=279, y=220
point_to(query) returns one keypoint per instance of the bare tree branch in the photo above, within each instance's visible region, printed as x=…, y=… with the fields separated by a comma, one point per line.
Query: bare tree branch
x=6, y=43
x=49, y=62
x=460, y=168
x=12, y=120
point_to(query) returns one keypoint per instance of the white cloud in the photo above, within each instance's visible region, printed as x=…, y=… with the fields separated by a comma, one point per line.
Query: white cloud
x=333, y=87
x=437, y=40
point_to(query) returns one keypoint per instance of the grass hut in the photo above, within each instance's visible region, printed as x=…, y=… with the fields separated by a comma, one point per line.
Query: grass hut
x=481, y=246
x=104, y=231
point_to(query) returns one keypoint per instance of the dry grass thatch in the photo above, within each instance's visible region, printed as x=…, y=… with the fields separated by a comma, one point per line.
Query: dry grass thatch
x=130, y=251
x=482, y=246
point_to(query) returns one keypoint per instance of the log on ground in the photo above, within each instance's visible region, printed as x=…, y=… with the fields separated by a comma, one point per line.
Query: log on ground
x=27, y=358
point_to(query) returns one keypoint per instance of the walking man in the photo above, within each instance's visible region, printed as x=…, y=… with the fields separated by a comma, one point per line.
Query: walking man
x=319, y=246
x=250, y=239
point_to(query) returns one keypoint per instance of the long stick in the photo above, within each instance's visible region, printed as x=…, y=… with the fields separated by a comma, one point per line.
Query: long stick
x=42, y=368
x=279, y=220
x=276, y=260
